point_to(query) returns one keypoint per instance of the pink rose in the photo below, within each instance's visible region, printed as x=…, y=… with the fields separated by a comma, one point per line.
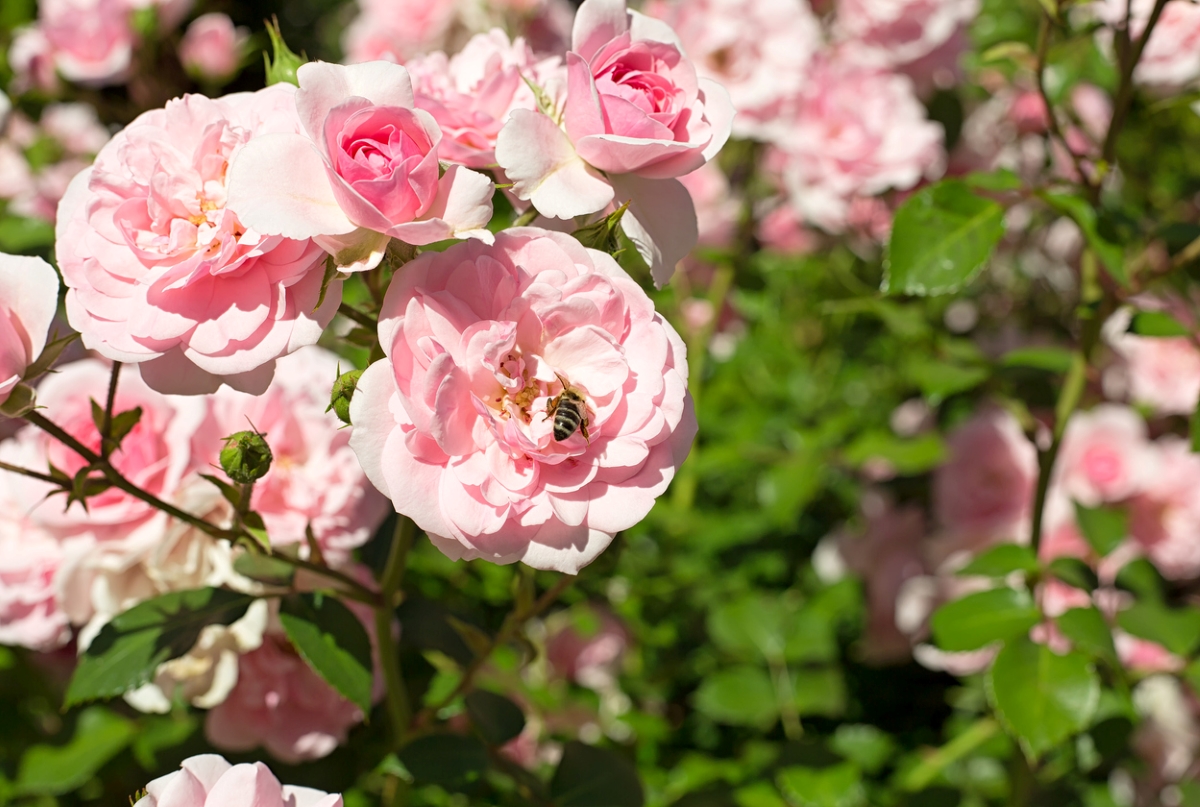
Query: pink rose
x=1160, y=372
x=471, y=94
x=159, y=269
x=30, y=559
x=1143, y=656
x=1165, y=516
x=1105, y=456
x=366, y=171
x=90, y=41
x=852, y=131
x=984, y=490
x=1172, y=56
x=212, y=47
x=634, y=110
x=28, y=302
x=315, y=480
x=902, y=34
x=397, y=30
x=281, y=704
x=759, y=50
x=455, y=426
x=590, y=658
x=208, y=781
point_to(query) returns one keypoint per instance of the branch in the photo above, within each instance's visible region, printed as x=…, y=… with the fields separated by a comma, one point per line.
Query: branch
x=110, y=402
x=1125, y=89
x=399, y=710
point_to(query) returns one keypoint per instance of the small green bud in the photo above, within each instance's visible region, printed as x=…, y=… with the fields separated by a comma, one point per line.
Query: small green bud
x=602, y=235
x=343, y=391
x=282, y=66
x=246, y=457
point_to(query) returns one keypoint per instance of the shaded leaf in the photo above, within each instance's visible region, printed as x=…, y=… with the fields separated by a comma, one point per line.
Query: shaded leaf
x=449, y=760
x=333, y=642
x=54, y=770
x=497, y=718
x=595, y=777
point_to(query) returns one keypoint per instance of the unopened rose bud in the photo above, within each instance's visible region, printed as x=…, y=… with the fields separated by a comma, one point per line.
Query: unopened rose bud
x=246, y=457
x=343, y=391
x=282, y=66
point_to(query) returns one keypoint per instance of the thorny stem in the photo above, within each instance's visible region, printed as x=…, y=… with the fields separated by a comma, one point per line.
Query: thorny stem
x=399, y=710
x=4, y=466
x=106, y=431
x=512, y=622
x=356, y=590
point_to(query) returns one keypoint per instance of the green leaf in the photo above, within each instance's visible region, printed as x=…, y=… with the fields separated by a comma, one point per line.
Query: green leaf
x=19, y=235
x=758, y=794
x=819, y=691
x=595, y=777
x=497, y=719
x=157, y=733
x=1104, y=528
x=1001, y=561
x=757, y=624
x=1002, y=179
x=866, y=746
x=1041, y=697
x=1178, y=630
x=50, y=355
x=604, y=234
x=1074, y=572
x=1088, y=632
x=739, y=696
x=835, y=786
x=1083, y=214
x=1051, y=359
x=264, y=569
x=127, y=651
x=20, y=402
x=941, y=238
x=939, y=380
x=333, y=642
x=1157, y=323
x=979, y=619
x=1192, y=676
x=54, y=770
x=909, y=456
x=450, y=760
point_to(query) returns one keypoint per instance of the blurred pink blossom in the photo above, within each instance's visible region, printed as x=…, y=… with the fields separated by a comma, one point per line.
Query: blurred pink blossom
x=1160, y=372
x=1171, y=60
x=1165, y=515
x=279, y=703
x=212, y=47
x=984, y=489
x=397, y=30
x=1105, y=456
x=759, y=50
x=717, y=209
x=852, y=131
x=208, y=780
x=592, y=659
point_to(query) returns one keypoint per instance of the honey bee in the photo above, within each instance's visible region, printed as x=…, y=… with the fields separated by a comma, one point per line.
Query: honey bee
x=568, y=409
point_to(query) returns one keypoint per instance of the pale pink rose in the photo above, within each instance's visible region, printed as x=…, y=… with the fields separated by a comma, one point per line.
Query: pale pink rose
x=984, y=489
x=28, y=301
x=471, y=94
x=758, y=50
x=1105, y=456
x=279, y=703
x=900, y=34
x=159, y=269
x=454, y=427
x=1171, y=60
x=212, y=47
x=1160, y=372
x=90, y=41
x=30, y=560
x=365, y=171
x=1145, y=656
x=634, y=110
x=32, y=61
x=315, y=480
x=75, y=127
x=592, y=659
x=208, y=780
x=1165, y=515
x=783, y=230
x=886, y=556
x=852, y=131
x=397, y=30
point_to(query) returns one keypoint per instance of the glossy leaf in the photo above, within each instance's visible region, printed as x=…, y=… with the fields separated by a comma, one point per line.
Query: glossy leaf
x=941, y=238
x=1157, y=323
x=1001, y=561
x=333, y=642
x=979, y=619
x=1103, y=527
x=1088, y=632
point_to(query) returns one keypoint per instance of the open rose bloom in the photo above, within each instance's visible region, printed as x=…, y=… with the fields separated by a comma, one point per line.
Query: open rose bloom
x=363, y=171
x=454, y=426
x=160, y=271
x=208, y=781
x=636, y=117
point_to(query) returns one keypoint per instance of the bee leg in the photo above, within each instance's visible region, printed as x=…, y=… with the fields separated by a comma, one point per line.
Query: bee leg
x=583, y=424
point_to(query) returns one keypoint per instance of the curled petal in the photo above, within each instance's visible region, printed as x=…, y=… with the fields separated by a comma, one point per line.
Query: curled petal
x=544, y=168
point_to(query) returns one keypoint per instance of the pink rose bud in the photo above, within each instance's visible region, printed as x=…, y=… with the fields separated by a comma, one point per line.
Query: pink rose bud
x=212, y=48
x=207, y=780
x=532, y=403
x=28, y=300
